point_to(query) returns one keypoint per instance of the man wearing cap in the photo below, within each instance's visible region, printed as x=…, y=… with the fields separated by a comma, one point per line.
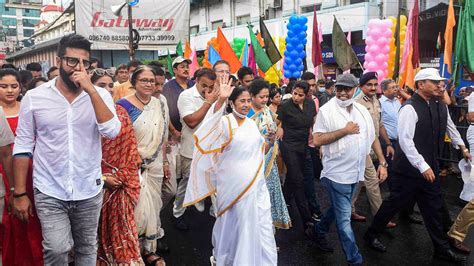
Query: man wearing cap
x=423, y=123
x=345, y=132
x=173, y=88
x=368, y=84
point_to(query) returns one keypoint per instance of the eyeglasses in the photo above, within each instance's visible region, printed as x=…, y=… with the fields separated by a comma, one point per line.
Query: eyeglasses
x=101, y=72
x=73, y=61
x=343, y=88
x=146, y=81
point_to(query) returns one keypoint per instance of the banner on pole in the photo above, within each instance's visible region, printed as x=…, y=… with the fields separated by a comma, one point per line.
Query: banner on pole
x=161, y=24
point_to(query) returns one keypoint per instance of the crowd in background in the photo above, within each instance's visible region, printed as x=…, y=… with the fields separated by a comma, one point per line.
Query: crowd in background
x=99, y=152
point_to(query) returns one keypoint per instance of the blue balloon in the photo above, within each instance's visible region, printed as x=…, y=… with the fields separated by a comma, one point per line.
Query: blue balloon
x=292, y=68
x=287, y=53
x=296, y=74
x=296, y=28
x=295, y=41
x=293, y=19
x=294, y=55
x=304, y=41
x=291, y=34
x=298, y=61
x=301, y=67
x=304, y=28
x=287, y=74
x=302, y=35
x=290, y=47
x=302, y=54
x=289, y=26
x=302, y=20
x=300, y=47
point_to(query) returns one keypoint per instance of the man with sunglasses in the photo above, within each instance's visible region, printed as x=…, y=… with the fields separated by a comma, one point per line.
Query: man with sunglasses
x=60, y=126
x=368, y=84
x=422, y=124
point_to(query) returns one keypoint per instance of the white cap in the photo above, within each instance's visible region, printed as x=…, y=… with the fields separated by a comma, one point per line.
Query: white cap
x=428, y=74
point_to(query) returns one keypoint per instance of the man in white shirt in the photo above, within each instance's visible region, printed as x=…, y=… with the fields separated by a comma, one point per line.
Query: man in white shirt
x=345, y=132
x=193, y=105
x=422, y=124
x=61, y=124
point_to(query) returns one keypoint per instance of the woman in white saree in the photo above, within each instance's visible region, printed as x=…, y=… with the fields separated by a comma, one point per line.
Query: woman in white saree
x=150, y=122
x=228, y=161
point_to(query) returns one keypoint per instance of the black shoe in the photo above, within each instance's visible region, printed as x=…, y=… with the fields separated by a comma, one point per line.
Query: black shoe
x=180, y=224
x=161, y=246
x=449, y=255
x=374, y=243
x=323, y=244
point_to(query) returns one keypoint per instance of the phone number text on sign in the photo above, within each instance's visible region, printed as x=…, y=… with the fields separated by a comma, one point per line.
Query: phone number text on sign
x=123, y=38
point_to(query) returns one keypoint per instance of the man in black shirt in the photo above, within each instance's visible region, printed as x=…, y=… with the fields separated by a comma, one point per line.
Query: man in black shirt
x=326, y=95
x=297, y=116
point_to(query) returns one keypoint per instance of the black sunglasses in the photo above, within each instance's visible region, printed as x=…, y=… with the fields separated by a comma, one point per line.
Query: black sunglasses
x=73, y=61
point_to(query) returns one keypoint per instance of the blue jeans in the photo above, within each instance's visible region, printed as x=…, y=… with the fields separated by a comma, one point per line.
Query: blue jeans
x=68, y=224
x=309, y=176
x=340, y=210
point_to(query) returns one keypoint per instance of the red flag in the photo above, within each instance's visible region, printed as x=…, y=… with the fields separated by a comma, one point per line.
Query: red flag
x=316, y=56
x=415, y=60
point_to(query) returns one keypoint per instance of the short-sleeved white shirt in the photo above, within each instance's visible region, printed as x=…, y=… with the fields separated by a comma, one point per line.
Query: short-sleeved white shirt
x=349, y=167
x=189, y=101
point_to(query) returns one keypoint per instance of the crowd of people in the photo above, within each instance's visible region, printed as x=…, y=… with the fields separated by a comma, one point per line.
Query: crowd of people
x=90, y=156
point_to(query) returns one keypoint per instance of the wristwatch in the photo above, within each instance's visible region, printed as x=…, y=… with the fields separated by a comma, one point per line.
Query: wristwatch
x=384, y=164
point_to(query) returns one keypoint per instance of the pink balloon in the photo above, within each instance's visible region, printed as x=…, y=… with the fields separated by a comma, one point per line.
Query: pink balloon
x=382, y=41
x=380, y=59
x=372, y=66
x=369, y=40
x=385, y=49
x=374, y=49
x=379, y=72
x=369, y=57
x=388, y=34
x=375, y=33
x=366, y=64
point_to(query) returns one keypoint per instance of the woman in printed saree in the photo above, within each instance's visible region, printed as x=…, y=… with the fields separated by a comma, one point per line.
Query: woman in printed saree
x=265, y=120
x=118, y=237
x=228, y=161
x=150, y=122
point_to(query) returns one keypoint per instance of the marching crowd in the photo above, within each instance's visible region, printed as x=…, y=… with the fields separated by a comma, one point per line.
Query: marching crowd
x=91, y=156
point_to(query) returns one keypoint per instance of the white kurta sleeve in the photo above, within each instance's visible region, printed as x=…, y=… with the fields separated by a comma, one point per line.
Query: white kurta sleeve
x=407, y=120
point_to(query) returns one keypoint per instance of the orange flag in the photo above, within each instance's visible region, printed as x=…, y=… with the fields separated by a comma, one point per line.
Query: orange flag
x=187, y=50
x=448, y=37
x=260, y=39
x=227, y=53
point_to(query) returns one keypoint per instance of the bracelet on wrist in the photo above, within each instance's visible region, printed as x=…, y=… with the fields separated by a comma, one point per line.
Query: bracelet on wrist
x=19, y=195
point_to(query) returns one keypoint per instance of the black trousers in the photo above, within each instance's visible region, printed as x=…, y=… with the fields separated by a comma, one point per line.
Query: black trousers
x=294, y=183
x=428, y=197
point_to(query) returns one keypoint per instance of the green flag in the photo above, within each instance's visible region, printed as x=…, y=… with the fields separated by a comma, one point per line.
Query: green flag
x=343, y=53
x=169, y=63
x=270, y=47
x=263, y=62
x=179, y=49
x=464, y=41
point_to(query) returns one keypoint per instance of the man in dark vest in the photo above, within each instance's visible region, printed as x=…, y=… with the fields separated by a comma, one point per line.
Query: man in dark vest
x=422, y=124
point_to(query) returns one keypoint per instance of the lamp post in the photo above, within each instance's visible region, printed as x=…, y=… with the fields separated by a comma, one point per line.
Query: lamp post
x=117, y=11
